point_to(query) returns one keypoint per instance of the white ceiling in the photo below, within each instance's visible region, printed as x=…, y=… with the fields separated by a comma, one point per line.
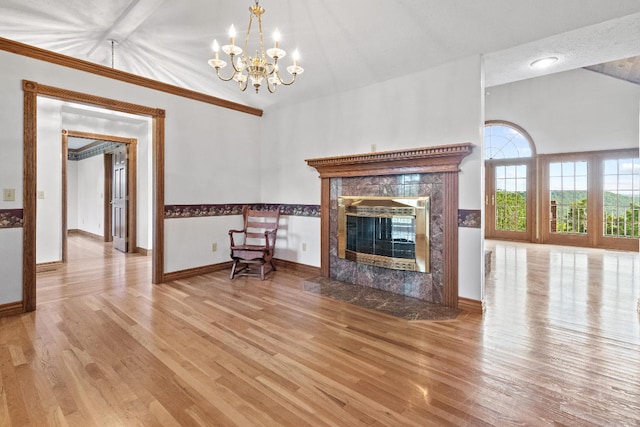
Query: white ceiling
x=343, y=44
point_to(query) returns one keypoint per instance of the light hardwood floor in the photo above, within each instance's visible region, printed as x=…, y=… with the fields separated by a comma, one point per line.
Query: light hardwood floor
x=558, y=345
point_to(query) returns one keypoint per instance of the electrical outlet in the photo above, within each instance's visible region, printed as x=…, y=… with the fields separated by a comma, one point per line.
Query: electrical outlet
x=40, y=194
x=214, y=247
x=9, y=195
x=304, y=247
x=374, y=147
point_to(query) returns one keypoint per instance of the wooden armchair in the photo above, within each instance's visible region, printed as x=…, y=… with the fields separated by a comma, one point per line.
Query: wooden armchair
x=255, y=243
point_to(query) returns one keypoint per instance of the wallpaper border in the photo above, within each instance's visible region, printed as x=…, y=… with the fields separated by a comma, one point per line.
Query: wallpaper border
x=11, y=218
x=467, y=218
x=194, y=211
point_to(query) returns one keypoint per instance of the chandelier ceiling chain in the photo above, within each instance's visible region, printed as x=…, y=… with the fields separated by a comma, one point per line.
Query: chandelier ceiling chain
x=256, y=68
x=113, y=53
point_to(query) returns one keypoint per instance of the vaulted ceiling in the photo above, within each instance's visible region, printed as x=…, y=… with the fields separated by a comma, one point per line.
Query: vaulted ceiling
x=343, y=44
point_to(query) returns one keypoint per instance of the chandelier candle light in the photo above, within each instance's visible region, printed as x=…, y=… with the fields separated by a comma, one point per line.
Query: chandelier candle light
x=256, y=68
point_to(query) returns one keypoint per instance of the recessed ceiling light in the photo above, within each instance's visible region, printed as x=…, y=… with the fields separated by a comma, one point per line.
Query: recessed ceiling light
x=544, y=62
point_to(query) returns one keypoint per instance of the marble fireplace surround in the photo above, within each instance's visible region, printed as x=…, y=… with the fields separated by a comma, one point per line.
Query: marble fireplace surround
x=429, y=171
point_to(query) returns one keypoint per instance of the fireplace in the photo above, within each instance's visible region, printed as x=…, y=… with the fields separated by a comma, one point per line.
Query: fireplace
x=389, y=232
x=420, y=172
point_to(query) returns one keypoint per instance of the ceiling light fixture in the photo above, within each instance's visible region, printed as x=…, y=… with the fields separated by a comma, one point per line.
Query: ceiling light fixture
x=256, y=68
x=544, y=62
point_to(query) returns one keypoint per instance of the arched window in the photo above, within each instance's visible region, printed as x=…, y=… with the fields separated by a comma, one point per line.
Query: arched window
x=509, y=201
x=506, y=141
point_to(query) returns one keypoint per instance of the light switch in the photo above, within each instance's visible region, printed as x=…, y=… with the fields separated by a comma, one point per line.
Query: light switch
x=40, y=194
x=9, y=195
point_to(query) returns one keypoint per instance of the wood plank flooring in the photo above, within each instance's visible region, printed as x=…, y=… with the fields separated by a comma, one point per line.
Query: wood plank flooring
x=558, y=345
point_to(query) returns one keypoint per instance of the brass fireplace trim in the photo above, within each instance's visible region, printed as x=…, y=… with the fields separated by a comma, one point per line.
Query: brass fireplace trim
x=389, y=206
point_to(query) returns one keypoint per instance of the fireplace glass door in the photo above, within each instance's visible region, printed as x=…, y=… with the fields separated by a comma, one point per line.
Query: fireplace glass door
x=389, y=232
x=385, y=236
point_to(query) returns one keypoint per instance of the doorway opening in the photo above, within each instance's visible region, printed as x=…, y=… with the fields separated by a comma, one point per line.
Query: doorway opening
x=82, y=146
x=32, y=91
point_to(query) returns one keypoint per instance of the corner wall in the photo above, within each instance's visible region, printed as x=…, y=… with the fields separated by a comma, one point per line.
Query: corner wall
x=439, y=106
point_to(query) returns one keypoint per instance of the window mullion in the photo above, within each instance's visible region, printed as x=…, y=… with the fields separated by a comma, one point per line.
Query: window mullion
x=595, y=204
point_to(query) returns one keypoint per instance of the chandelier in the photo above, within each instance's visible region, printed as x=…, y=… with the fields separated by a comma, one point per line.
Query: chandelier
x=258, y=69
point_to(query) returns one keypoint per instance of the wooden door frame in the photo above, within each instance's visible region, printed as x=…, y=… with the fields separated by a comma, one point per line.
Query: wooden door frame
x=31, y=91
x=532, y=189
x=132, y=186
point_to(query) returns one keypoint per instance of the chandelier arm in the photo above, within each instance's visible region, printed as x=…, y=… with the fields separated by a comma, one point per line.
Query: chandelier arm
x=271, y=68
x=223, y=78
x=233, y=65
x=270, y=88
x=285, y=83
x=244, y=87
x=274, y=66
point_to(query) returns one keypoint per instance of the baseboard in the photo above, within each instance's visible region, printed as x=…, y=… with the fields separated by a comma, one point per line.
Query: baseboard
x=143, y=251
x=302, y=269
x=190, y=272
x=471, y=305
x=48, y=266
x=11, y=309
x=86, y=234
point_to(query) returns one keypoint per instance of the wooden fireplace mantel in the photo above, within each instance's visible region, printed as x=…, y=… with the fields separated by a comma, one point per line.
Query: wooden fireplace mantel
x=443, y=159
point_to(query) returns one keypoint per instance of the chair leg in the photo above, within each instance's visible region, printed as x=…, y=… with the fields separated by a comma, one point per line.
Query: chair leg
x=273, y=266
x=233, y=268
x=262, y=271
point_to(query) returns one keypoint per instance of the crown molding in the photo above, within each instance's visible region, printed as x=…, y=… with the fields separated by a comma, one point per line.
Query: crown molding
x=101, y=70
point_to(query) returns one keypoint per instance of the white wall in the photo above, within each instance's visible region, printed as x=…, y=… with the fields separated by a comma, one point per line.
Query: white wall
x=72, y=195
x=193, y=238
x=433, y=107
x=49, y=184
x=573, y=111
x=91, y=195
x=11, y=177
x=298, y=240
x=205, y=146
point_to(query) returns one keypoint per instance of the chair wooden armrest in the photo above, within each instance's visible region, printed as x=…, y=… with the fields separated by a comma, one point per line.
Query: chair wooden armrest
x=232, y=232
